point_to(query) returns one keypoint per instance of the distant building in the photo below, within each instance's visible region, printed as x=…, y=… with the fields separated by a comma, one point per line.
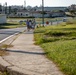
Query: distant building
x=23, y=11
x=51, y=8
x=2, y=18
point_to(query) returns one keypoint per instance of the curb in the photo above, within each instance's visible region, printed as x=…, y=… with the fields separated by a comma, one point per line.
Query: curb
x=4, y=64
x=8, y=38
x=7, y=67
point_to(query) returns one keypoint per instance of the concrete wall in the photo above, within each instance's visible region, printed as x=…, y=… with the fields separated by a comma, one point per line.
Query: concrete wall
x=2, y=18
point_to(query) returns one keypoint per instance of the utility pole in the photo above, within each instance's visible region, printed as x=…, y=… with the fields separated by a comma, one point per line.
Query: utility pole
x=6, y=8
x=43, y=13
x=24, y=3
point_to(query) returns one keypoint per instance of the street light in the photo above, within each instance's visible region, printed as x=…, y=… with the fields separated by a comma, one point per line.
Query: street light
x=43, y=13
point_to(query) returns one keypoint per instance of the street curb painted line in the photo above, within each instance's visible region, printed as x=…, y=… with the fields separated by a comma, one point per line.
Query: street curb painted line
x=8, y=38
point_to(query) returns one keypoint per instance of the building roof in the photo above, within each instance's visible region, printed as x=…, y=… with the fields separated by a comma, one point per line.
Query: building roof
x=51, y=8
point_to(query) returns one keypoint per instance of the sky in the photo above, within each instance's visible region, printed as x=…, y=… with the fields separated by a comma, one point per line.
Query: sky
x=52, y=3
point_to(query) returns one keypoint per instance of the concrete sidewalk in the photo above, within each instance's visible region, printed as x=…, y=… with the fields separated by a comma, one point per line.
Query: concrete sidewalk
x=25, y=58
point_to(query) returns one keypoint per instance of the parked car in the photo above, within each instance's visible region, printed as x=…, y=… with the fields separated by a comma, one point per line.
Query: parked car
x=64, y=19
x=20, y=22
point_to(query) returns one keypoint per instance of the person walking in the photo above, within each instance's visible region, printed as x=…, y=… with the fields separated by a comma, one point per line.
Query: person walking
x=33, y=24
x=28, y=25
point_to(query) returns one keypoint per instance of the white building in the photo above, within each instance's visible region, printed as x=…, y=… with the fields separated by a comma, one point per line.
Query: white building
x=23, y=14
x=2, y=18
x=51, y=8
x=36, y=14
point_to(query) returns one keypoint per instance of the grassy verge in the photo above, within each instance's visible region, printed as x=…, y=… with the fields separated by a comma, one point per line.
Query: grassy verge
x=38, y=20
x=3, y=73
x=59, y=43
x=10, y=25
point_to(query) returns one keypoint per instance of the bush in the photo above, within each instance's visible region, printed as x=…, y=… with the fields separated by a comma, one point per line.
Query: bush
x=71, y=21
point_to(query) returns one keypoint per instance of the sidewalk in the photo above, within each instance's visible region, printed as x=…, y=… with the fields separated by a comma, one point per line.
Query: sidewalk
x=26, y=58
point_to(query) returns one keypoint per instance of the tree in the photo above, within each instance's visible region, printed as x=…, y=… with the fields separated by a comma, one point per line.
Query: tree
x=72, y=10
x=10, y=10
x=73, y=13
x=43, y=12
x=0, y=7
x=15, y=11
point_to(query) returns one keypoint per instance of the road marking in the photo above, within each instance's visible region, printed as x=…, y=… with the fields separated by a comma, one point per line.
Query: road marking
x=7, y=38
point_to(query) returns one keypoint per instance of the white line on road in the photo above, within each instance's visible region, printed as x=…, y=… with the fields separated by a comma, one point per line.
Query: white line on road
x=8, y=38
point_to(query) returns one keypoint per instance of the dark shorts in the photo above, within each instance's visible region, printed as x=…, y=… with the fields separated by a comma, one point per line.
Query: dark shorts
x=28, y=27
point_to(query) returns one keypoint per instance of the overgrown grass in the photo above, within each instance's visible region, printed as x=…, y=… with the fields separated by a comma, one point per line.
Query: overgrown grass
x=59, y=43
x=2, y=52
x=4, y=73
x=71, y=21
x=55, y=33
x=64, y=54
x=3, y=49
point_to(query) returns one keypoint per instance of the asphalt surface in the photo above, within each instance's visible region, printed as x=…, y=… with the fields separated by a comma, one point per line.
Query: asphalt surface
x=4, y=33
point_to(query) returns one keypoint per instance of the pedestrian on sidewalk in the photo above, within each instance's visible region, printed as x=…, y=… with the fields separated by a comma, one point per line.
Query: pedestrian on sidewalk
x=33, y=24
x=28, y=25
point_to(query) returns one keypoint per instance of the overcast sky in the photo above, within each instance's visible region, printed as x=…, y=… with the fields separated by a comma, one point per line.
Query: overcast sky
x=39, y=2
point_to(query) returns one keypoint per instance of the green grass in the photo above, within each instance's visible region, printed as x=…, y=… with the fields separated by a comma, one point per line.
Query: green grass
x=55, y=33
x=10, y=25
x=63, y=53
x=71, y=21
x=59, y=43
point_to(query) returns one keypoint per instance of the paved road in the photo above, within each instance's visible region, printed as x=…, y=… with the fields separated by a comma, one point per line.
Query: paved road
x=7, y=32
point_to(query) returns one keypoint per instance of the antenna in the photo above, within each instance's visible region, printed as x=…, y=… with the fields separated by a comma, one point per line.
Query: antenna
x=25, y=3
